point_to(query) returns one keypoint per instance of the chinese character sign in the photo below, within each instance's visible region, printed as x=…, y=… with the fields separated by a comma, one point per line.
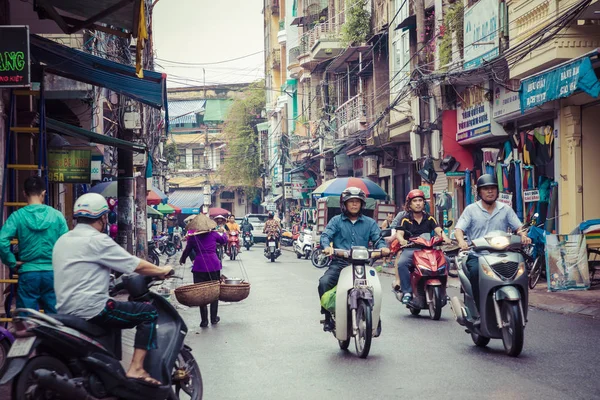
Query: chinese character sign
x=69, y=166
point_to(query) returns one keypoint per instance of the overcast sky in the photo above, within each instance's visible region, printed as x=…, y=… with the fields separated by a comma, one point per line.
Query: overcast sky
x=208, y=31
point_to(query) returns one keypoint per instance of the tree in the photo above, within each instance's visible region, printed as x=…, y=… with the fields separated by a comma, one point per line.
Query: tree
x=171, y=154
x=242, y=161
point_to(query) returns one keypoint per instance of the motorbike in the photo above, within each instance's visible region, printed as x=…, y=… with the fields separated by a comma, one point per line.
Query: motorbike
x=320, y=260
x=248, y=240
x=428, y=277
x=6, y=341
x=63, y=356
x=233, y=242
x=303, y=246
x=272, y=250
x=153, y=256
x=288, y=238
x=503, y=293
x=358, y=299
x=165, y=246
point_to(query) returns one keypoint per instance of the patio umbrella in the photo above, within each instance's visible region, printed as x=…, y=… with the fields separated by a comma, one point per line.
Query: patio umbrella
x=177, y=209
x=153, y=213
x=155, y=196
x=335, y=187
x=165, y=209
x=213, y=212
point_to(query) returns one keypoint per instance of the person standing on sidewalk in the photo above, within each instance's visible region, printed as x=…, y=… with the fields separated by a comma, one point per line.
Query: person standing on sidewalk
x=206, y=264
x=37, y=227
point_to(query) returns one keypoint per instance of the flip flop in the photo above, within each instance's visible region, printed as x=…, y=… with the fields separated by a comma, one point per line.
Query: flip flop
x=146, y=380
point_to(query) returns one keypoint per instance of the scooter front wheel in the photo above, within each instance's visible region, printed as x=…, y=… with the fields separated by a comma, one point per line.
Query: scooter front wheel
x=187, y=377
x=344, y=344
x=513, y=331
x=364, y=320
x=23, y=384
x=480, y=341
x=435, y=307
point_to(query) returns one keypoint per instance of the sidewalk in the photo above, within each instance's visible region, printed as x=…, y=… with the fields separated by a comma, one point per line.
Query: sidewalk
x=582, y=302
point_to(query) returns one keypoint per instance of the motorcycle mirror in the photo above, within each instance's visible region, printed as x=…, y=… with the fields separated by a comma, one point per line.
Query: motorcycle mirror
x=385, y=233
x=448, y=223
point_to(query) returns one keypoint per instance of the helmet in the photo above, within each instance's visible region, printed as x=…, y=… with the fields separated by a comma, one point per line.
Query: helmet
x=413, y=194
x=486, y=180
x=90, y=205
x=352, y=193
x=270, y=214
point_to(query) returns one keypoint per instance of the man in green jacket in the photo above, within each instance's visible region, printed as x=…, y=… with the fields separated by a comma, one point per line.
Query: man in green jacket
x=37, y=227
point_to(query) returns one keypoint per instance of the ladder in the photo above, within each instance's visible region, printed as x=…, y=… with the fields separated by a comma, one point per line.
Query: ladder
x=11, y=165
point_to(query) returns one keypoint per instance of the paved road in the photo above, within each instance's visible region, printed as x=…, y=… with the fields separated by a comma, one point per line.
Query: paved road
x=271, y=346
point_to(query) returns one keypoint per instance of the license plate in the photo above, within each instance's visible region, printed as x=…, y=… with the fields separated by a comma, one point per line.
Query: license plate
x=271, y=243
x=21, y=347
x=360, y=282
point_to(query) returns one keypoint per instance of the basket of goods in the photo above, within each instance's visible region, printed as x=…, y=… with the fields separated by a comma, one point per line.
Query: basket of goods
x=198, y=294
x=233, y=289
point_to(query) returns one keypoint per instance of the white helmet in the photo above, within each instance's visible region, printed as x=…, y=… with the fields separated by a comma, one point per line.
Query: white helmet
x=90, y=205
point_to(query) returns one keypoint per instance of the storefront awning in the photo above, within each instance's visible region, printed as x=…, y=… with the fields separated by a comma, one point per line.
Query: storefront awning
x=187, y=199
x=271, y=200
x=73, y=131
x=83, y=67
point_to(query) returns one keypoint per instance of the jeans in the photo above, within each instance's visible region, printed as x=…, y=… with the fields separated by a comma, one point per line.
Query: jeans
x=404, y=261
x=214, y=306
x=130, y=314
x=473, y=267
x=329, y=280
x=36, y=290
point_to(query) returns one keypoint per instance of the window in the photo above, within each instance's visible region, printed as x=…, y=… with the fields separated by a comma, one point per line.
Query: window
x=403, y=5
x=227, y=195
x=198, y=158
x=181, y=157
x=401, y=62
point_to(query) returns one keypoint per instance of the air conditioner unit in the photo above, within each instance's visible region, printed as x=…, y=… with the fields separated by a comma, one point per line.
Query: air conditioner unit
x=388, y=160
x=371, y=166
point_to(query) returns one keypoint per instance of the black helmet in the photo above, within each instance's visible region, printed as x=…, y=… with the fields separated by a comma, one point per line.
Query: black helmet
x=352, y=193
x=486, y=180
x=271, y=214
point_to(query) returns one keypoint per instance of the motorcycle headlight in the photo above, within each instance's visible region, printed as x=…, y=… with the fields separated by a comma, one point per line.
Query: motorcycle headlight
x=426, y=268
x=488, y=271
x=360, y=254
x=521, y=270
x=499, y=242
x=359, y=270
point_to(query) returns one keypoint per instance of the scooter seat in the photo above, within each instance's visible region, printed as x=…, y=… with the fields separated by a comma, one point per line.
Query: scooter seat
x=81, y=324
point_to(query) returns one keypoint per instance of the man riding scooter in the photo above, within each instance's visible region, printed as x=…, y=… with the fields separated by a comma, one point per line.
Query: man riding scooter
x=351, y=228
x=247, y=236
x=272, y=227
x=417, y=222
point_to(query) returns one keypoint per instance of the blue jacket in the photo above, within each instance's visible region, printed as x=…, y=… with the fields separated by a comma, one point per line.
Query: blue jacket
x=344, y=234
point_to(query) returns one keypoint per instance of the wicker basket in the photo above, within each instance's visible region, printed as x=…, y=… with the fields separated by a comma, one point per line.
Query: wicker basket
x=198, y=294
x=232, y=293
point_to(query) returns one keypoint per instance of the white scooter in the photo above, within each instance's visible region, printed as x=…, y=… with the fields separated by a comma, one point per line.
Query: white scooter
x=303, y=246
x=358, y=299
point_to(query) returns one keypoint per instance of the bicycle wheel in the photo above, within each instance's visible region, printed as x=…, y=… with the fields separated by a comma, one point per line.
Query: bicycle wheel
x=536, y=271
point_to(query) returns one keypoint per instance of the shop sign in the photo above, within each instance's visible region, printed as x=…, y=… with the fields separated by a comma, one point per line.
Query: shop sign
x=207, y=199
x=96, y=170
x=14, y=56
x=69, y=166
x=426, y=189
x=474, y=117
x=558, y=83
x=481, y=42
x=530, y=196
x=455, y=174
x=505, y=198
x=506, y=99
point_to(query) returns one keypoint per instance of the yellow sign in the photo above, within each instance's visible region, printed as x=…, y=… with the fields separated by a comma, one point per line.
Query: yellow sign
x=69, y=166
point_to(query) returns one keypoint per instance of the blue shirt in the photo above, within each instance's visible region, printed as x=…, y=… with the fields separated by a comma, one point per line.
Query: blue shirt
x=344, y=234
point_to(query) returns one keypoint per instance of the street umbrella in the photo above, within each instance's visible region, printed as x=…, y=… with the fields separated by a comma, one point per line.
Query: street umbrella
x=155, y=196
x=213, y=212
x=152, y=213
x=165, y=209
x=335, y=187
x=177, y=209
x=105, y=189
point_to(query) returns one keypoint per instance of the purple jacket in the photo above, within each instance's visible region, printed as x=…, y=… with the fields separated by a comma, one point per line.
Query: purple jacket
x=205, y=246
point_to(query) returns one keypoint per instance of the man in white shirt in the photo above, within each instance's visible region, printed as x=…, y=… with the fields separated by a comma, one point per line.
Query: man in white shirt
x=82, y=260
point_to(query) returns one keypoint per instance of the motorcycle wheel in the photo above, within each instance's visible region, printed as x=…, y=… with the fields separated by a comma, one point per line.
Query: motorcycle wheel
x=192, y=386
x=170, y=249
x=233, y=252
x=415, y=311
x=26, y=379
x=480, y=341
x=4, y=348
x=435, y=307
x=365, y=329
x=272, y=257
x=536, y=272
x=453, y=268
x=298, y=255
x=153, y=258
x=344, y=344
x=307, y=254
x=317, y=261
x=513, y=334
x=247, y=246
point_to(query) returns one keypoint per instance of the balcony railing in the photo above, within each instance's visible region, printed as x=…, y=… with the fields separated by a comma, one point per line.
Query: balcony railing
x=294, y=54
x=351, y=110
x=325, y=31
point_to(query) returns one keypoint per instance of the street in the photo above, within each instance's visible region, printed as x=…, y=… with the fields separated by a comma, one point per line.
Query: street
x=271, y=346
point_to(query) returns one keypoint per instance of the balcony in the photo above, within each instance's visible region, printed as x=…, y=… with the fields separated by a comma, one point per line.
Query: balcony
x=293, y=66
x=321, y=43
x=528, y=18
x=282, y=34
x=275, y=58
x=351, y=117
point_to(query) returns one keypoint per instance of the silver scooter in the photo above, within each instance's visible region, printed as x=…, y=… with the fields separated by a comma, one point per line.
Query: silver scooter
x=503, y=293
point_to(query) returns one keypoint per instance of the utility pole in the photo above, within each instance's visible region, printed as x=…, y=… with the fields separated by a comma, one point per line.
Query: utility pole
x=206, y=162
x=126, y=206
x=282, y=159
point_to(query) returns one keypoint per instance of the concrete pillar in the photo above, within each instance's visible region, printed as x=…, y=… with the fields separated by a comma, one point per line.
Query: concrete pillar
x=570, y=178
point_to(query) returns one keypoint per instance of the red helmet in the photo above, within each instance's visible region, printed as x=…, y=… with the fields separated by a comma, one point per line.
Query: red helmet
x=414, y=194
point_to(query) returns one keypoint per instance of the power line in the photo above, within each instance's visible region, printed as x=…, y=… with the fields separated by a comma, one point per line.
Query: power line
x=211, y=63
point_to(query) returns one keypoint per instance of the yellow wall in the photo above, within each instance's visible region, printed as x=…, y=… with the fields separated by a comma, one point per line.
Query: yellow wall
x=590, y=144
x=570, y=181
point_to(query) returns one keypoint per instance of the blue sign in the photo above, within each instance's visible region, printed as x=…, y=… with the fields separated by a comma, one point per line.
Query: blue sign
x=558, y=83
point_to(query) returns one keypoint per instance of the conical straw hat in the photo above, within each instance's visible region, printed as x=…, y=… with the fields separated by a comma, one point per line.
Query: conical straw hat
x=201, y=224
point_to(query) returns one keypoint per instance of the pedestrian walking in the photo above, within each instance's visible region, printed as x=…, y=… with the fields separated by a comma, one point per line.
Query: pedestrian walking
x=37, y=228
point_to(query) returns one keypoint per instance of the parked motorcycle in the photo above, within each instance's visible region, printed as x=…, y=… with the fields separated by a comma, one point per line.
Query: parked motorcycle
x=248, y=240
x=153, y=256
x=6, y=341
x=358, y=299
x=233, y=242
x=503, y=293
x=319, y=259
x=63, y=356
x=165, y=246
x=428, y=276
x=272, y=250
x=303, y=246
x=288, y=238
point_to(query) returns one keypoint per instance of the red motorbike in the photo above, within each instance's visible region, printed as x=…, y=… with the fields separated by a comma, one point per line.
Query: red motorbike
x=233, y=244
x=428, y=277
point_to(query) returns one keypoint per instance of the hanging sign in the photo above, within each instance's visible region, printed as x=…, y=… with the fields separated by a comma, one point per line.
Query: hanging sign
x=505, y=198
x=558, y=83
x=530, y=196
x=14, y=56
x=96, y=170
x=69, y=166
x=426, y=190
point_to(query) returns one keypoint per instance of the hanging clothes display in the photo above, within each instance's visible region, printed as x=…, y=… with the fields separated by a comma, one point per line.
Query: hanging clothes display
x=518, y=190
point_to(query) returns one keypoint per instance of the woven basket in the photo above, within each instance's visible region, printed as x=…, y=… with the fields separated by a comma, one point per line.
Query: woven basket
x=232, y=293
x=198, y=294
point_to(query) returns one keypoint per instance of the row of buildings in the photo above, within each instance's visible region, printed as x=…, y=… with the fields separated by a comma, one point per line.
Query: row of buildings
x=423, y=93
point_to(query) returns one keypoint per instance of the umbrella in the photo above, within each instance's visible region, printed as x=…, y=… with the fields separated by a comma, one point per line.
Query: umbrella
x=335, y=187
x=165, y=209
x=156, y=196
x=153, y=213
x=177, y=209
x=213, y=212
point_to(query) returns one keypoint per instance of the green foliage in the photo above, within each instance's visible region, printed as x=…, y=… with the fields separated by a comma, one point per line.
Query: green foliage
x=170, y=153
x=453, y=23
x=358, y=22
x=241, y=166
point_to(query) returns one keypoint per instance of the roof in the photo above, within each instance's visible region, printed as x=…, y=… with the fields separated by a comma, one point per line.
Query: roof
x=187, y=198
x=184, y=111
x=216, y=110
x=187, y=182
x=193, y=138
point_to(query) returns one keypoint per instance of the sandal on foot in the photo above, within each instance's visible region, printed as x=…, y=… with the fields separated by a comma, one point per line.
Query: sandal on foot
x=146, y=380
